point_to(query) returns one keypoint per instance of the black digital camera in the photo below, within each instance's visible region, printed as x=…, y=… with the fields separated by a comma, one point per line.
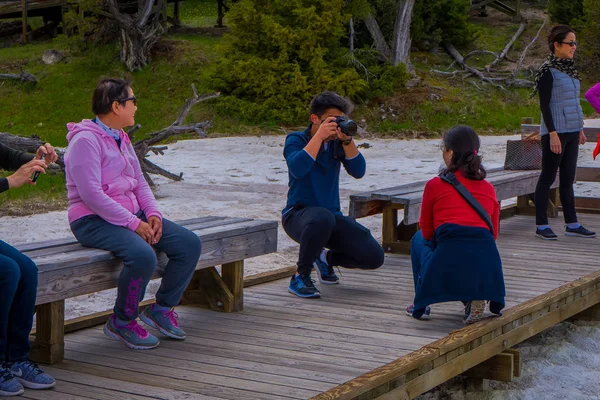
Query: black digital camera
x=347, y=126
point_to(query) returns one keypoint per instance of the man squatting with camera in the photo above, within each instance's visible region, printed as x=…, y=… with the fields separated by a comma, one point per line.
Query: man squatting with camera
x=312, y=216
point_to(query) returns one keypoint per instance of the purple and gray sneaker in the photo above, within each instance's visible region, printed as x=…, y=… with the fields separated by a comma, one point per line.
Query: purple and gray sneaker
x=30, y=375
x=165, y=321
x=133, y=334
x=9, y=386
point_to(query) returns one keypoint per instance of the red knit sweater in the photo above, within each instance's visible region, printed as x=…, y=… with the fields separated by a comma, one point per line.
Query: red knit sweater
x=442, y=204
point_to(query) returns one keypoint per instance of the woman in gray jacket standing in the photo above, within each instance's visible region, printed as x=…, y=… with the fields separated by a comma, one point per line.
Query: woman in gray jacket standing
x=558, y=85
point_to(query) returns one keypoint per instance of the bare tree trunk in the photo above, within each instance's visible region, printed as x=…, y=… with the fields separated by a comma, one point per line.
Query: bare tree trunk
x=138, y=34
x=27, y=144
x=401, y=40
x=380, y=43
x=352, y=34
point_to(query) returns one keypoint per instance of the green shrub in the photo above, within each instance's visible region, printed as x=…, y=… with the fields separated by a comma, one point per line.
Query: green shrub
x=565, y=11
x=279, y=54
x=588, y=35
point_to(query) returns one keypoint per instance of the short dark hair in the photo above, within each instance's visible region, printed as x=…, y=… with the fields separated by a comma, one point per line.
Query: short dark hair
x=558, y=33
x=326, y=100
x=464, y=143
x=107, y=92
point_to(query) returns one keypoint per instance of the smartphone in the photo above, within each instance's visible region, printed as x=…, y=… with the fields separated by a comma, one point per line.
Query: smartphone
x=35, y=175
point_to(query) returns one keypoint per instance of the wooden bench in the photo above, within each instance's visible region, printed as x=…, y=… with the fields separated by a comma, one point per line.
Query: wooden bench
x=396, y=237
x=67, y=269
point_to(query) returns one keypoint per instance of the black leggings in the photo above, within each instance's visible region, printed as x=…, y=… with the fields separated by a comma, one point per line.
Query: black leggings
x=567, y=161
x=351, y=244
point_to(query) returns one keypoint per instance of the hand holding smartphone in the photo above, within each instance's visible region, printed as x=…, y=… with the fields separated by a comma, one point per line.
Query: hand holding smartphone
x=35, y=175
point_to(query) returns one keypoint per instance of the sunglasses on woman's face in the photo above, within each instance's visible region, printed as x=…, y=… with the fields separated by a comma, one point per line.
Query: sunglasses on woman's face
x=132, y=98
x=572, y=43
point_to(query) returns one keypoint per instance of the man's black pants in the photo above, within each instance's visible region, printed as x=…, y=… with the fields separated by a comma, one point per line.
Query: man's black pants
x=315, y=228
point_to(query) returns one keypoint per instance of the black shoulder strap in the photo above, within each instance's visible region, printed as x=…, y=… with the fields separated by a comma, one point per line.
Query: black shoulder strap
x=451, y=179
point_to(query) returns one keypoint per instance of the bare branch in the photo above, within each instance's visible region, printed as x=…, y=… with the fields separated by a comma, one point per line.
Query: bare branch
x=380, y=43
x=23, y=77
x=509, y=45
x=527, y=48
x=144, y=146
x=145, y=14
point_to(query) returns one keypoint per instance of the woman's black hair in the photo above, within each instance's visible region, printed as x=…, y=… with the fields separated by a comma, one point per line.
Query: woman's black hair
x=558, y=34
x=464, y=143
x=107, y=92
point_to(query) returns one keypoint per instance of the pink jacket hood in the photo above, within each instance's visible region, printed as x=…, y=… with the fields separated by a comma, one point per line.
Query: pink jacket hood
x=103, y=179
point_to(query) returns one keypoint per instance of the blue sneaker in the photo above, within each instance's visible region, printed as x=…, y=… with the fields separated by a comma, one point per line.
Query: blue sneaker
x=133, y=335
x=30, y=375
x=9, y=385
x=325, y=272
x=164, y=321
x=303, y=286
x=410, y=311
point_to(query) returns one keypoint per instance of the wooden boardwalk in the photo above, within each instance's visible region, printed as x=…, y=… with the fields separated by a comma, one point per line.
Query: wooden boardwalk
x=283, y=347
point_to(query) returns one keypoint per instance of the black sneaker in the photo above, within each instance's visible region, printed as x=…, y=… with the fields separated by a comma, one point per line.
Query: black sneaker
x=581, y=232
x=325, y=273
x=546, y=234
x=303, y=286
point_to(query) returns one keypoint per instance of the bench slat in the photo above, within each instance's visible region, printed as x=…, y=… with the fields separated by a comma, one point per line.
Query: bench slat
x=27, y=247
x=86, y=255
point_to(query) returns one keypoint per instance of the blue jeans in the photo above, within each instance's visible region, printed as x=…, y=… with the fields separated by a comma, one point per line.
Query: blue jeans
x=18, y=286
x=181, y=246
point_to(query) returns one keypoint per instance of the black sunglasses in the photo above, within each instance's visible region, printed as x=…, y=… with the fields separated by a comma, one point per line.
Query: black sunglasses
x=132, y=98
x=572, y=43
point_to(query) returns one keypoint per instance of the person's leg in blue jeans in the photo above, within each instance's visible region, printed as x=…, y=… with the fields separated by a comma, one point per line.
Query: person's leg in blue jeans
x=18, y=287
x=183, y=248
x=420, y=253
x=139, y=259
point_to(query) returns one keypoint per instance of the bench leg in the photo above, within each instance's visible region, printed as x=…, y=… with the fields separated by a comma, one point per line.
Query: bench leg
x=388, y=230
x=526, y=204
x=49, y=344
x=219, y=293
x=233, y=276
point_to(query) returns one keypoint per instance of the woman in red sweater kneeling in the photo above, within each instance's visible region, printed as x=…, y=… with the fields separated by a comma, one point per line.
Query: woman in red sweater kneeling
x=454, y=255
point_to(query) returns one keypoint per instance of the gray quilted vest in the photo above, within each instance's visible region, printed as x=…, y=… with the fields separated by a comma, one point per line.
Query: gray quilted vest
x=564, y=104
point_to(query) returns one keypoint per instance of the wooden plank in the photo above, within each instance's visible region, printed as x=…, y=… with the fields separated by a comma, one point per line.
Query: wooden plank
x=588, y=174
x=378, y=376
x=498, y=368
x=100, y=318
x=269, y=276
x=117, y=385
x=591, y=132
x=359, y=209
x=49, y=344
x=149, y=375
x=27, y=247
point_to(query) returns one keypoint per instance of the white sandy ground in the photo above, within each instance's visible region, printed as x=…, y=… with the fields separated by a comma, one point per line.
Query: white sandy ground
x=247, y=177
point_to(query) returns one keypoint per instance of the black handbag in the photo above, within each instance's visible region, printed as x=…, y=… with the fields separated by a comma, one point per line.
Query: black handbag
x=451, y=179
x=524, y=154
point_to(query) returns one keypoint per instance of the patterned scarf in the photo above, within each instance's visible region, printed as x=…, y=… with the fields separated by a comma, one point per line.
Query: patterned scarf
x=566, y=65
